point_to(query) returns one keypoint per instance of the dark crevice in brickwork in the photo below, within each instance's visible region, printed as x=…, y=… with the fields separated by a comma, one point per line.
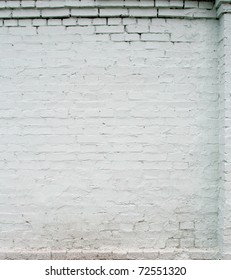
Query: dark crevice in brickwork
x=101, y=8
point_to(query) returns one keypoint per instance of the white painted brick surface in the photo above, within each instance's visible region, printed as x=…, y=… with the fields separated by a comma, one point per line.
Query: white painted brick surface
x=191, y=4
x=69, y=21
x=94, y=129
x=160, y=3
x=54, y=22
x=155, y=37
x=177, y=3
x=125, y=37
x=38, y=22
x=137, y=28
x=109, y=29
x=114, y=21
x=27, y=4
x=11, y=22
x=84, y=12
x=111, y=3
x=5, y=13
x=24, y=22
x=110, y=126
x=206, y=4
x=2, y=4
x=113, y=12
x=85, y=3
x=99, y=21
x=25, y=13
x=55, y=13
x=225, y=132
x=142, y=12
x=12, y=4
x=146, y=3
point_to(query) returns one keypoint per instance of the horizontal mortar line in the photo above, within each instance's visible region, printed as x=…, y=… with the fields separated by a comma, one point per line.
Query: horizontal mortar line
x=106, y=7
x=141, y=17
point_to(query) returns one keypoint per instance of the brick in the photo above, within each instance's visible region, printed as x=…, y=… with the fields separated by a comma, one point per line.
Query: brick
x=109, y=29
x=12, y=4
x=155, y=37
x=114, y=21
x=55, y=13
x=137, y=28
x=26, y=13
x=131, y=3
x=99, y=21
x=159, y=25
x=93, y=118
x=206, y=5
x=39, y=22
x=102, y=37
x=147, y=3
x=143, y=12
x=22, y=31
x=81, y=30
x=173, y=243
x=10, y=22
x=2, y=4
x=187, y=225
x=208, y=14
x=74, y=3
x=5, y=13
x=56, y=4
x=111, y=3
x=113, y=12
x=175, y=13
x=42, y=3
x=128, y=21
x=125, y=37
x=187, y=243
x=144, y=21
x=70, y=21
x=54, y=22
x=91, y=12
x=191, y=4
x=51, y=30
x=84, y=21
x=177, y=3
x=24, y=22
x=162, y=4
x=27, y=4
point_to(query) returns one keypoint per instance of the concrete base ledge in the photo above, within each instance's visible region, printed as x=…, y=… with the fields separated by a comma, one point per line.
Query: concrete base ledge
x=116, y=255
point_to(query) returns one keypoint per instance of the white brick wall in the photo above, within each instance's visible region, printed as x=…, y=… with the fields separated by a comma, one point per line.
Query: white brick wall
x=110, y=129
x=225, y=124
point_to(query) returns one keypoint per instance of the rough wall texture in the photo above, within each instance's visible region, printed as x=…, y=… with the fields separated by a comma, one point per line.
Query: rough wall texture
x=109, y=114
x=225, y=132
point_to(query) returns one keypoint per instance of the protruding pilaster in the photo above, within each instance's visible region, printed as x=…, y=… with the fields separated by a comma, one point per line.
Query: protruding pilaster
x=224, y=226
